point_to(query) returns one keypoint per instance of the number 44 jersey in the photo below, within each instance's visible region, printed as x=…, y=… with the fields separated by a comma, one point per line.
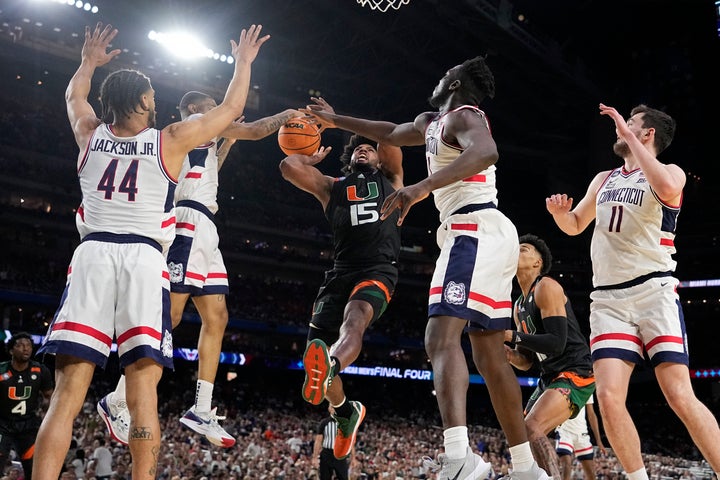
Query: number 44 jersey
x=126, y=188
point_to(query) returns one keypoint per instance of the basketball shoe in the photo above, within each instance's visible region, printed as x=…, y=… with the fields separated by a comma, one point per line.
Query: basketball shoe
x=206, y=423
x=471, y=467
x=535, y=473
x=347, y=431
x=318, y=371
x=116, y=416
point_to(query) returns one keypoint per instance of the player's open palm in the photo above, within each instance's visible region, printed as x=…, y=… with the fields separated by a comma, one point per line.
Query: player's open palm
x=558, y=203
x=321, y=111
x=319, y=156
x=248, y=46
x=96, y=43
x=403, y=199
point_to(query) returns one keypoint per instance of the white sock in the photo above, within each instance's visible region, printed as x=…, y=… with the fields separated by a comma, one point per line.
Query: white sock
x=119, y=393
x=203, y=396
x=456, y=442
x=638, y=475
x=521, y=457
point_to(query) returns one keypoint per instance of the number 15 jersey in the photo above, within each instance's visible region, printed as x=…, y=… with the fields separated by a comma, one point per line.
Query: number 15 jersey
x=634, y=230
x=360, y=237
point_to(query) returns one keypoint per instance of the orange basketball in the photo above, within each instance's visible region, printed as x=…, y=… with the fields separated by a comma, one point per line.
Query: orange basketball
x=298, y=135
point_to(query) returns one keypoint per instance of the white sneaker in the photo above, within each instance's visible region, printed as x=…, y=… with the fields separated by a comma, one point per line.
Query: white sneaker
x=206, y=423
x=471, y=467
x=535, y=473
x=116, y=417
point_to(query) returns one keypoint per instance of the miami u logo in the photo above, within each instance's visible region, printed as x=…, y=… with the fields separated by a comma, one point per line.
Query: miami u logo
x=12, y=393
x=373, y=192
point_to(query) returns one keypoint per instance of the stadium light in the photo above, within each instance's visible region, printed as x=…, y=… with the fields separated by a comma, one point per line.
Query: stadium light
x=180, y=44
x=87, y=6
x=185, y=45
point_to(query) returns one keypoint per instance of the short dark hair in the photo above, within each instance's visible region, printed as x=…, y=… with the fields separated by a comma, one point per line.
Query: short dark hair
x=189, y=98
x=14, y=339
x=121, y=92
x=352, y=144
x=542, y=248
x=477, y=79
x=663, y=124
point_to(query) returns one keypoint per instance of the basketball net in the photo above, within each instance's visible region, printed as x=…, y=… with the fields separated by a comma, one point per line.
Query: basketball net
x=383, y=5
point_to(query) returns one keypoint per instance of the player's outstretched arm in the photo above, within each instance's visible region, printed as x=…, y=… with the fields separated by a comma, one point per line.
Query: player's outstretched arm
x=300, y=171
x=260, y=128
x=384, y=132
x=184, y=135
x=94, y=54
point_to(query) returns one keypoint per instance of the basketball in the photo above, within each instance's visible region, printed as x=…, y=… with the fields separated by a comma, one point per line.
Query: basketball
x=298, y=135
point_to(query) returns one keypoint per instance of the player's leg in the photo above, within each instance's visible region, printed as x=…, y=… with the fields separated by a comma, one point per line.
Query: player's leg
x=588, y=466
x=616, y=347
x=552, y=408
x=72, y=380
x=201, y=416
x=324, y=330
x=674, y=380
x=565, y=465
x=368, y=300
x=214, y=314
x=178, y=300
x=612, y=377
x=663, y=327
x=6, y=444
x=142, y=378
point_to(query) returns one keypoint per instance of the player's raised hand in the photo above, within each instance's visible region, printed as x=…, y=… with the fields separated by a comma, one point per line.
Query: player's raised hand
x=246, y=49
x=621, y=126
x=558, y=203
x=318, y=156
x=403, y=199
x=94, y=50
x=321, y=111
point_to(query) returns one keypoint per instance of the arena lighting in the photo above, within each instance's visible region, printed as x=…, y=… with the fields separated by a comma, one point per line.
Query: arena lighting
x=87, y=6
x=238, y=358
x=185, y=45
x=714, y=282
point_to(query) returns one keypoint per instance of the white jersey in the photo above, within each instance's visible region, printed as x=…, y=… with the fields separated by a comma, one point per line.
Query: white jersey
x=634, y=230
x=126, y=188
x=577, y=425
x=479, y=188
x=199, y=175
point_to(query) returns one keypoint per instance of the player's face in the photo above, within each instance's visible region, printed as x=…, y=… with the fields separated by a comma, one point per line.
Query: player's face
x=364, y=156
x=152, y=114
x=205, y=105
x=529, y=256
x=635, y=123
x=442, y=89
x=22, y=350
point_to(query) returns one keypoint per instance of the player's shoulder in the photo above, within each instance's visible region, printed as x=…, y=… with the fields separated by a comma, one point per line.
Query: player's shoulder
x=548, y=286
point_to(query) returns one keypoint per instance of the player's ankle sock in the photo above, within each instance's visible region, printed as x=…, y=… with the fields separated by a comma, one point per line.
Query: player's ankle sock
x=335, y=369
x=203, y=396
x=344, y=410
x=640, y=474
x=521, y=457
x=119, y=393
x=456, y=441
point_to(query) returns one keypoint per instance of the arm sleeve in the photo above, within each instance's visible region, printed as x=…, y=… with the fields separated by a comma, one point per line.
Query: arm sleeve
x=550, y=343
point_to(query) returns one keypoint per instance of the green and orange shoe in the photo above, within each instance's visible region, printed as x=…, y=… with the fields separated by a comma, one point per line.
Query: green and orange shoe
x=318, y=371
x=347, y=431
